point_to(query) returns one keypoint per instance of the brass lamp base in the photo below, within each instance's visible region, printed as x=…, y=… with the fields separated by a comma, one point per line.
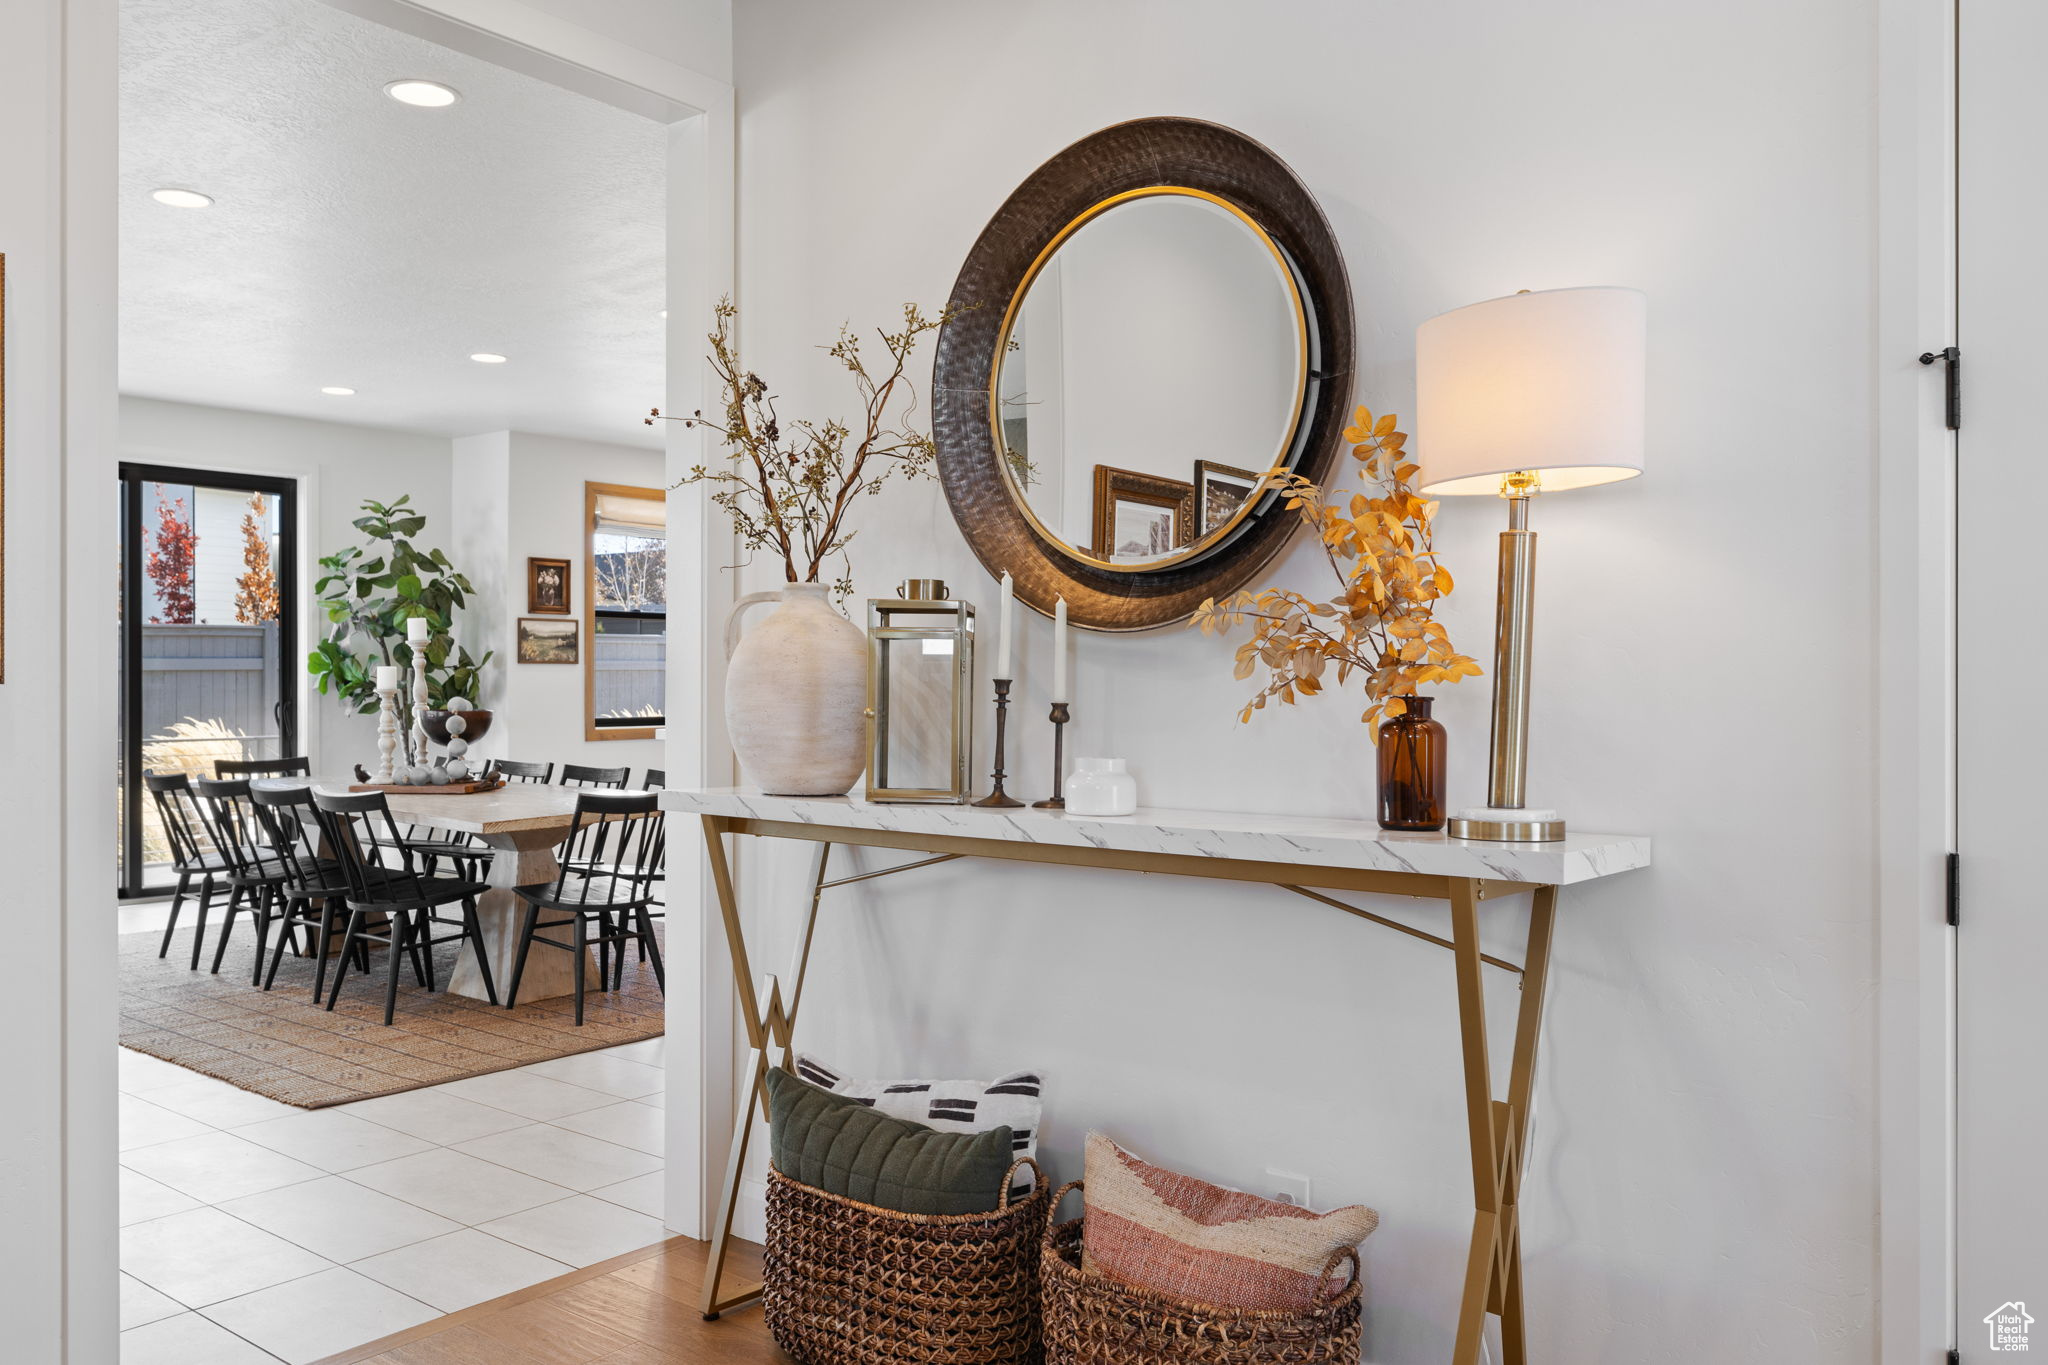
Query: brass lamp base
x=1503, y=825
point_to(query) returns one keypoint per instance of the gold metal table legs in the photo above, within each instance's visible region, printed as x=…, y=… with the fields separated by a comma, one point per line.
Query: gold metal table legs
x=770, y=1022
x=1499, y=1133
x=1499, y=1129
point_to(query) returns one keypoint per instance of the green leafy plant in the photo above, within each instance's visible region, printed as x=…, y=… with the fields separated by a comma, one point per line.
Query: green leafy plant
x=369, y=593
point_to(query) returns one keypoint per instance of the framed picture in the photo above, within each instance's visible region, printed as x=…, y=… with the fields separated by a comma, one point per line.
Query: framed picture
x=1141, y=516
x=543, y=641
x=547, y=586
x=1220, y=490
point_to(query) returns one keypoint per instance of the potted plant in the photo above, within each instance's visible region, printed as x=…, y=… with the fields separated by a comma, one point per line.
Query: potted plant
x=796, y=687
x=369, y=593
x=1380, y=624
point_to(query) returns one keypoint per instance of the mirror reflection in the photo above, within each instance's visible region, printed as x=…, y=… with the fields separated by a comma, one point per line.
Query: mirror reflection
x=1155, y=364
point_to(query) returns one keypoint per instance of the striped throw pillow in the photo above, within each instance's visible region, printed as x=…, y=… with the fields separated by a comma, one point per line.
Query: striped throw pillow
x=950, y=1106
x=1178, y=1235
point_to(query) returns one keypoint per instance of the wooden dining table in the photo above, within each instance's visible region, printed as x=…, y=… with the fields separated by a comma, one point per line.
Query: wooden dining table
x=522, y=823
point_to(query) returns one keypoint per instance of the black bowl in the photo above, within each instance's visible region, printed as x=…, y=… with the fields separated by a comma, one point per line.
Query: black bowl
x=436, y=723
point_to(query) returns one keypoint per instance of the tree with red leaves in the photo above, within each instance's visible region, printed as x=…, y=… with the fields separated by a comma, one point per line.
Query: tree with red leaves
x=170, y=562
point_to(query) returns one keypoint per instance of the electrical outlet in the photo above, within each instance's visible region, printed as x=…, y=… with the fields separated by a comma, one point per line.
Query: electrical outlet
x=1287, y=1188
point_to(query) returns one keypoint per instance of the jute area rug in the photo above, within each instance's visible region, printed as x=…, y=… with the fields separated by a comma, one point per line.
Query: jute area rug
x=280, y=1044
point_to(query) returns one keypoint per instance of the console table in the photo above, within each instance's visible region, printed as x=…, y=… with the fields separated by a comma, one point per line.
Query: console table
x=1303, y=855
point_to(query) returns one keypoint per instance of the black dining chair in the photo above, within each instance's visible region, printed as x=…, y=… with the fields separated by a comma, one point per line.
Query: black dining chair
x=192, y=851
x=512, y=770
x=314, y=888
x=578, y=775
x=254, y=877
x=382, y=880
x=657, y=778
x=609, y=894
x=262, y=767
x=432, y=843
x=576, y=849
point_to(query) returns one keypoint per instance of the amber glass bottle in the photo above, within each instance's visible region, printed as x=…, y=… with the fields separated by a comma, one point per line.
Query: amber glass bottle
x=1411, y=769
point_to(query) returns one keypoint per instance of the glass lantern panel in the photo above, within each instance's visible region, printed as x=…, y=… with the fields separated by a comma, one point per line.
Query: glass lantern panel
x=917, y=706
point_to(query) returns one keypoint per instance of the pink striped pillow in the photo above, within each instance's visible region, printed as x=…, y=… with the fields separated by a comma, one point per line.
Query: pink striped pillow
x=1178, y=1235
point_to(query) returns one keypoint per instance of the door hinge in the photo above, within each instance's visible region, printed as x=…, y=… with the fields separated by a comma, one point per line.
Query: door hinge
x=1954, y=886
x=1953, y=357
x=1955, y=1357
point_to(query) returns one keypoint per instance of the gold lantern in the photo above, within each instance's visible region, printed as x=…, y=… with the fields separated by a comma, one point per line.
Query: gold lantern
x=920, y=695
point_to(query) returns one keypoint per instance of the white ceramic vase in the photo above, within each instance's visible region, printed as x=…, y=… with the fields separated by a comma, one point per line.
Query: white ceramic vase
x=796, y=694
x=1100, y=786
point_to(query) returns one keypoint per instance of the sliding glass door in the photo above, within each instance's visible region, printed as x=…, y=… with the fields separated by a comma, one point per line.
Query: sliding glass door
x=209, y=623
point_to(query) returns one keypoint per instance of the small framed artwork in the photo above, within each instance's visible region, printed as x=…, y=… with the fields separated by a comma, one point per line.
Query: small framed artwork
x=1220, y=490
x=543, y=641
x=1141, y=516
x=547, y=586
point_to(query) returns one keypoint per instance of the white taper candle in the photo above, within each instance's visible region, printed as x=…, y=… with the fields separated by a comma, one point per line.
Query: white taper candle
x=1060, y=678
x=1003, y=631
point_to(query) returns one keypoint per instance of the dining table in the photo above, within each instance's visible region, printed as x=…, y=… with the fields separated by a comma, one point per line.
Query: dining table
x=522, y=823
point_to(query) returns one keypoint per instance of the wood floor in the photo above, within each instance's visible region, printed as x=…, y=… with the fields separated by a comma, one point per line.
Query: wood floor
x=637, y=1309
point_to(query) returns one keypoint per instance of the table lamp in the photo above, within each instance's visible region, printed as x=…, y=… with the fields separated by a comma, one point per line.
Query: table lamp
x=1532, y=393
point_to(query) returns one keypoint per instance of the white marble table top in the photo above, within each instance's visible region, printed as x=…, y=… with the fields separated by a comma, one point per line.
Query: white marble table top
x=1311, y=841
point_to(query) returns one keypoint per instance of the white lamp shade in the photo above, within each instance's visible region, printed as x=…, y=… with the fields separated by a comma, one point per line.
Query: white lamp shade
x=1549, y=381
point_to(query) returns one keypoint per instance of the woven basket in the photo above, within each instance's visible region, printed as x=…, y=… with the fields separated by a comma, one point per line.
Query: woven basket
x=846, y=1283
x=1092, y=1319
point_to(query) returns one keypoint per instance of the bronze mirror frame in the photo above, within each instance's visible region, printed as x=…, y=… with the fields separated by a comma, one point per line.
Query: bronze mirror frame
x=1158, y=154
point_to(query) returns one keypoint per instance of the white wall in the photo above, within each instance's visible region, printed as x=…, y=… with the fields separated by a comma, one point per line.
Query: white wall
x=481, y=475
x=1702, y=1185
x=337, y=466
x=692, y=33
x=540, y=707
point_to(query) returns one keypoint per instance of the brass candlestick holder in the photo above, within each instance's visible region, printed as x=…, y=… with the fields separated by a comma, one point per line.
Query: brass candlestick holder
x=1058, y=799
x=1000, y=799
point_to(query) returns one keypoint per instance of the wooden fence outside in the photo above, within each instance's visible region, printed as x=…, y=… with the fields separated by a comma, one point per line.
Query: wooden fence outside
x=629, y=674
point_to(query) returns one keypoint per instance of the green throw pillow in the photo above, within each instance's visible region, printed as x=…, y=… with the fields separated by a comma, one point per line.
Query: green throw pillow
x=842, y=1146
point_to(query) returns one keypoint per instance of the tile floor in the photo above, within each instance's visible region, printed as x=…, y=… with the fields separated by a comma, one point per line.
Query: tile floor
x=253, y=1232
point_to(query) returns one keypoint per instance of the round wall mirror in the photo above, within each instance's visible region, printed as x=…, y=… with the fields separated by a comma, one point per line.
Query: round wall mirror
x=1115, y=351
x=1156, y=317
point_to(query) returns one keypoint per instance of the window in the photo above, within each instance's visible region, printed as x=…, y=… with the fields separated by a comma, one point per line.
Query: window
x=626, y=612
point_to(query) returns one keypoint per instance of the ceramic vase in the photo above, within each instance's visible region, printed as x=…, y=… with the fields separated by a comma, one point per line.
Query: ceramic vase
x=1101, y=786
x=796, y=694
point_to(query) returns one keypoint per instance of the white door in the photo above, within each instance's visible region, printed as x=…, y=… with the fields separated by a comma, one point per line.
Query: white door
x=2002, y=678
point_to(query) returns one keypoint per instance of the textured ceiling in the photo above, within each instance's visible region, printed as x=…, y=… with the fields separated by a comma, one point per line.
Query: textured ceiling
x=356, y=241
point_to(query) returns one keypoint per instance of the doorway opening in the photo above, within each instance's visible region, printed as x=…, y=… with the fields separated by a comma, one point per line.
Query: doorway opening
x=430, y=272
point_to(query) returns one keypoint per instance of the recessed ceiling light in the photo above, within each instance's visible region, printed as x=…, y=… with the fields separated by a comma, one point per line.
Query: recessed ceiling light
x=488, y=358
x=337, y=391
x=664, y=315
x=422, y=94
x=182, y=199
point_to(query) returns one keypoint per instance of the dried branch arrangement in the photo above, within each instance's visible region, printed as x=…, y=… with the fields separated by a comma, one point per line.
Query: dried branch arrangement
x=789, y=488
x=1381, y=622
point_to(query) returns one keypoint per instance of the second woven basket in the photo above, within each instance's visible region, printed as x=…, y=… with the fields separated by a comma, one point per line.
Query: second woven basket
x=1092, y=1319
